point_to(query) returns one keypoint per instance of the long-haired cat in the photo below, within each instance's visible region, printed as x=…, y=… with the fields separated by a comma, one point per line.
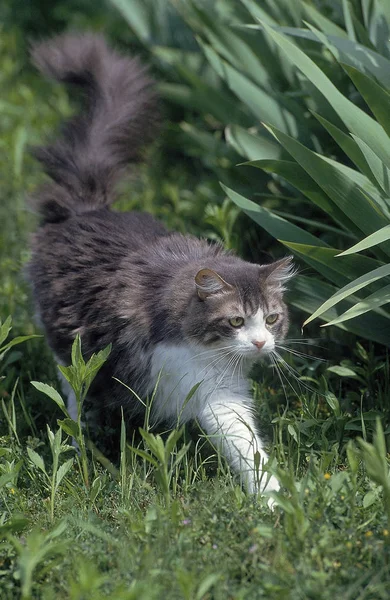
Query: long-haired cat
x=177, y=310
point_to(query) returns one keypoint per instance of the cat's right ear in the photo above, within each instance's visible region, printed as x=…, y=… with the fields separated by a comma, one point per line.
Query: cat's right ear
x=208, y=282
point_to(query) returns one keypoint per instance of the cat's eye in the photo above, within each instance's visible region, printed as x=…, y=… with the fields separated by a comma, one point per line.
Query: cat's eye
x=271, y=319
x=236, y=321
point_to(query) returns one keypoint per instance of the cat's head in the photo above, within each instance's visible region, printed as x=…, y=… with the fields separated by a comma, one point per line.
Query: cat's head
x=239, y=306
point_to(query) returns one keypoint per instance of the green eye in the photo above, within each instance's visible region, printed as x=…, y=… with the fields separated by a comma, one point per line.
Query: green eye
x=236, y=322
x=271, y=319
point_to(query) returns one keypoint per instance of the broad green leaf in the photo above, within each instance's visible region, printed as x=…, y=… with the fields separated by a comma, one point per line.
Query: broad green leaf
x=307, y=293
x=6, y=478
x=377, y=167
x=333, y=402
x=335, y=184
x=356, y=120
x=257, y=12
x=252, y=146
x=52, y=393
x=348, y=52
x=63, y=471
x=346, y=143
x=348, y=19
x=300, y=179
x=148, y=457
x=77, y=355
x=276, y=226
x=136, y=14
x=16, y=341
x=374, y=196
x=206, y=584
x=382, y=235
x=261, y=104
x=227, y=43
x=322, y=22
x=154, y=443
x=376, y=97
x=36, y=459
x=177, y=57
x=5, y=328
x=95, y=363
x=205, y=100
x=15, y=524
x=372, y=302
x=322, y=259
x=70, y=427
x=351, y=288
x=342, y=371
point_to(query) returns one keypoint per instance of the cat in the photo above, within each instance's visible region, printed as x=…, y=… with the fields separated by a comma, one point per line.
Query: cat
x=178, y=310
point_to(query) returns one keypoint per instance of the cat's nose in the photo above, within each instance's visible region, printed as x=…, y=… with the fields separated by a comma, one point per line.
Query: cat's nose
x=258, y=345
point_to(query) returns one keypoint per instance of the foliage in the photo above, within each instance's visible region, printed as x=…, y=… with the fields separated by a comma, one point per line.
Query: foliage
x=171, y=520
x=79, y=376
x=305, y=100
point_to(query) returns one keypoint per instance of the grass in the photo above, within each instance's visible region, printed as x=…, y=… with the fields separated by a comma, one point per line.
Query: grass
x=170, y=520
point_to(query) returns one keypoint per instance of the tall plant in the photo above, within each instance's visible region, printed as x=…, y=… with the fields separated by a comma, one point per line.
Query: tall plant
x=301, y=91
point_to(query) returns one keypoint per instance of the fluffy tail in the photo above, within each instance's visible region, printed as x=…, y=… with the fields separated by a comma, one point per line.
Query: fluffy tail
x=118, y=120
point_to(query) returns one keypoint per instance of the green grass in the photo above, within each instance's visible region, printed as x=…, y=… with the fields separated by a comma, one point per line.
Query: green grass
x=177, y=524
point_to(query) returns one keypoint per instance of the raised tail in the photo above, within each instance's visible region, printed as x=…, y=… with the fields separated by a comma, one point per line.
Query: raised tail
x=119, y=118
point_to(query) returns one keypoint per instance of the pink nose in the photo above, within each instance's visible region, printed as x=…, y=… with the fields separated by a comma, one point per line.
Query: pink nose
x=258, y=345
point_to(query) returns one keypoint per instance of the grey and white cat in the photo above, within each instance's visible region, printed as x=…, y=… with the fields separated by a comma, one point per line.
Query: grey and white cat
x=177, y=310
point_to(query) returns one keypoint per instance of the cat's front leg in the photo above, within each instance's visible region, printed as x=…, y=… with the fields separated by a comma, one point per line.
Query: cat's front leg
x=230, y=426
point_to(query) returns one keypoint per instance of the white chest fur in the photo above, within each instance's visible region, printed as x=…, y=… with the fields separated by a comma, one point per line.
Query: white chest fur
x=221, y=404
x=178, y=368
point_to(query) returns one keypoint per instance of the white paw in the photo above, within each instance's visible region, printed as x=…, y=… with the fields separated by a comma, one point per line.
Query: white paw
x=271, y=486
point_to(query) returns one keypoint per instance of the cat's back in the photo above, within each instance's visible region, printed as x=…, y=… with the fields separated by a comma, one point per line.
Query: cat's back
x=102, y=235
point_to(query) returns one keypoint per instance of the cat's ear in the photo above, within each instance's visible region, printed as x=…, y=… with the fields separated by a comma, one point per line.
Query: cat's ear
x=208, y=282
x=278, y=273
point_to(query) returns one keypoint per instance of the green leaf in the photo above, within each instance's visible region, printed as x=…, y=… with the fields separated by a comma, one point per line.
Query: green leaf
x=351, y=288
x=63, y=471
x=346, y=143
x=36, y=459
x=372, y=302
x=70, y=427
x=5, y=328
x=378, y=169
x=148, y=457
x=261, y=104
x=342, y=371
x=382, y=235
x=301, y=180
x=356, y=120
x=250, y=145
x=347, y=52
x=376, y=97
x=275, y=225
x=16, y=341
x=348, y=18
x=206, y=584
x=16, y=524
x=333, y=403
x=52, y=393
x=336, y=271
x=307, y=293
x=77, y=356
x=137, y=15
x=154, y=443
x=335, y=184
x=369, y=498
x=325, y=24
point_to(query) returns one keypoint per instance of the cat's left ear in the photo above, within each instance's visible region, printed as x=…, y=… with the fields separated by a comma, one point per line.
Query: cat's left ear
x=278, y=273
